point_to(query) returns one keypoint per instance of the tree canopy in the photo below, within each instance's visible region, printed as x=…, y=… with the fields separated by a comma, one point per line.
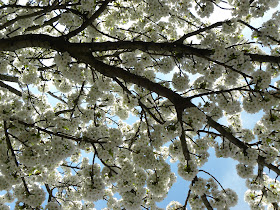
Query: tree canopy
x=72, y=72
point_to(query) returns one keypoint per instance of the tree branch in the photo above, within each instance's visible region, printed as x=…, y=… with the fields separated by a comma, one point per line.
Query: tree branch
x=60, y=44
x=46, y=23
x=239, y=144
x=49, y=191
x=11, y=89
x=8, y=78
x=37, y=13
x=185, y=36
x=113, y=71
x=206, y=202
x=10, y=147
x=183, y=141
x=161, y=47
x=259, y=32
x=89, y=21
x=140, y=103
x=57, y=97
x=59, y=134
x=226, y=134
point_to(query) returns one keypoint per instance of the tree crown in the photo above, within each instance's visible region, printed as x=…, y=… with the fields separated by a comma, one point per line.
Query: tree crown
x=72, y=72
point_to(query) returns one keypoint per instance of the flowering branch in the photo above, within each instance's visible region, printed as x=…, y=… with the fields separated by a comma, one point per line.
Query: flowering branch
x=10, y=147
x=98, y=12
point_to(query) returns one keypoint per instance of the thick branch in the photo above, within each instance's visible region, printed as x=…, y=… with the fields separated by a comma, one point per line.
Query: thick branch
x=31, y=40
x=226, y=134
x=264, y=58
x=113, y=72
x=60, y=44
x=261, y=160
x=183, y=135
x=8, y=78
x=164, y=46
x=11, y=89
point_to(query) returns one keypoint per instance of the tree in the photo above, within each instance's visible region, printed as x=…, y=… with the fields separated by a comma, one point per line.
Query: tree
x=73, y=71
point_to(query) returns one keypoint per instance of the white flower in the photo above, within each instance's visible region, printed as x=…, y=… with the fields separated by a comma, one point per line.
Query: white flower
x=173, y=205
x=262, y=79
x=187, y=170
x=180, y=81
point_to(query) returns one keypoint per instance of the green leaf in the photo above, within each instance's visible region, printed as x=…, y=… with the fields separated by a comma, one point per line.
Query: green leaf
x=111, y=153
x=37, y=172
